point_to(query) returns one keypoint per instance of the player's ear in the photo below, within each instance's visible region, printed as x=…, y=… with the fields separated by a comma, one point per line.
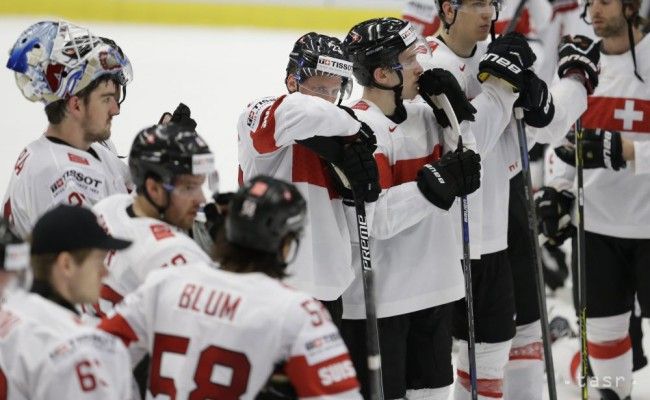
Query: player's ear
x=64, y=264
x=292, y=85
x=74, y=105
x=447, y=11
x=380, y=75
x=154, y=189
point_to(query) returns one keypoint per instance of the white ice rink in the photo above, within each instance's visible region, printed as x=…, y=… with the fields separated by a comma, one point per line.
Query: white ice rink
x=214, y=71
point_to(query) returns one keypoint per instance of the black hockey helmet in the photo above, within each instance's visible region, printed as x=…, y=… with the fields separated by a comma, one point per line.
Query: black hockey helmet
x=14, y=252
x=316, y=54
x=377, y=43
x=164, y=151
x=263, y=212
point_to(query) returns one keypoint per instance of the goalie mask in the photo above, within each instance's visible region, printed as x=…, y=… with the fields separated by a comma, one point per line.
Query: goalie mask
x=55, y=60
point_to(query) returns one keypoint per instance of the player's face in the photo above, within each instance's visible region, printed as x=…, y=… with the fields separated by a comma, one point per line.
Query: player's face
x=411, y=71
x=185, y=200
x=473, y=20
x=86, y=278
x=607, y=18
x=325, y=87
x=102, y=106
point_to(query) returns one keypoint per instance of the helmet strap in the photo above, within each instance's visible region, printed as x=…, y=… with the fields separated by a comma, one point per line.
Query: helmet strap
x=630, y=35
x=161, y=209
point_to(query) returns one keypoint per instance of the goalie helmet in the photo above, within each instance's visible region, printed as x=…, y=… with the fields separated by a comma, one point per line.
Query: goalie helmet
x=14, y=252
x=167, y=150
x=263, y=213
x=56, y=60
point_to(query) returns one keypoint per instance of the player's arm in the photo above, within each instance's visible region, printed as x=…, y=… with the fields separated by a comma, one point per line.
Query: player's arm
x=275, y=123
x=318, y=364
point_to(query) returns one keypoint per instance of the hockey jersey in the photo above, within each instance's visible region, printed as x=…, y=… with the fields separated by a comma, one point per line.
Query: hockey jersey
x=49, y=172
x=615, y=202
x=45, y=353
x=416, y=266
x=155, y=245
x=267, y=134
x=217, y=334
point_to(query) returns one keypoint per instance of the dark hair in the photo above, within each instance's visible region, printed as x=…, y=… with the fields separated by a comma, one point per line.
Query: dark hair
x=56, y=111
x=235, y=258
x=42, y=263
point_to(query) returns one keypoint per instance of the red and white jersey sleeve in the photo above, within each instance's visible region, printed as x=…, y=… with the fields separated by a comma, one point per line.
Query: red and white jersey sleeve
x=156, y=245
x=422, y=14
x=48, y=173
x=615, y=201
x=46, y=354
x=267, y=133
x=221, y=334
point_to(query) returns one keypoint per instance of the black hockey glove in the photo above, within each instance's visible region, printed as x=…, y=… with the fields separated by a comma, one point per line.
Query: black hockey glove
x=601, y=149
x=455, y=174
x=506, y=57
x=360, y=168
x=438, y=81
x=181, y=116
x=553, y=210
x=365, y=133
x=579, y=56
x=536, y=101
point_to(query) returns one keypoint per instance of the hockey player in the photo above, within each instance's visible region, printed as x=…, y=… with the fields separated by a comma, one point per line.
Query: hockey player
x=617, y=234
x=45, y=352
x=229, y=329
x=495, y=78
x=415, y=261
x=79, y=77
x=169, y=164
x=287, y=137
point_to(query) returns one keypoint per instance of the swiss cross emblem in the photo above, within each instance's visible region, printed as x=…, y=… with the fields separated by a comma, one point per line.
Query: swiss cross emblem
x=628, y=115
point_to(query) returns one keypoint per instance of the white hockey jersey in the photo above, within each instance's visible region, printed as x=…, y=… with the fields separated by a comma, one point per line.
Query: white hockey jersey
x=267, y=131
x=49, y=172
x=217, y=334
x=45, y=353
x=416, y=265
x=155, y=245
x=616, y=202
x=496, y=134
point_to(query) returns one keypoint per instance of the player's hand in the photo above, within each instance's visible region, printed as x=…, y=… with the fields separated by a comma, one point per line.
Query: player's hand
x=181, y=116
x=601, y=149
x=553, y=209
x=360, y=168
x=455, y=174
x=536, y=101
x=506, y=58
x=579, y=57
x=438, y=81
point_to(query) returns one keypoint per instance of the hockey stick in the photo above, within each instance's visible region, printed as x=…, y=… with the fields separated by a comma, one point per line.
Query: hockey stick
x=536, y=252
x=441, y=101
x=372, y=331
x=582, y=274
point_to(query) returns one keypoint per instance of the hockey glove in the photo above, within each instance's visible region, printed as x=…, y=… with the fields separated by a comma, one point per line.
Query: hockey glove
x=455, y=174
x=360, y=169
x=601, y=149
x=506, y=57
x=438, y=81
x=536, y=101
x=579, y=57
x=553, y=209
x=365, y=133
x=181, y=116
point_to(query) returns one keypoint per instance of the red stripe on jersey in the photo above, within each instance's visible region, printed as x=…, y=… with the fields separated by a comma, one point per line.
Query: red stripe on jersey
x=332, y=376
x=610, y=349
x=310, y=168
x=532, y=351
x=240, y=176
x=573, y=369
x=109, y=294
x=264, y=136
x=523, y=25
x=360, y=105
x=117, y=326
x=617, y=114
x=385, y=171
x=486, y=387
x=407, y=170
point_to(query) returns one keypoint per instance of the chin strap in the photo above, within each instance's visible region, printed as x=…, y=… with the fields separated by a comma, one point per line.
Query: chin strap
x=399, y=115
x=161, y=209
x=630, y=35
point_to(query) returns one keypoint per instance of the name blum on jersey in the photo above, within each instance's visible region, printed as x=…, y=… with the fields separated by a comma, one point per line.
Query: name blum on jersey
x=335, y=373
x=84, y=181
x=501, y=61
x=254, y=114
x=211, y=302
